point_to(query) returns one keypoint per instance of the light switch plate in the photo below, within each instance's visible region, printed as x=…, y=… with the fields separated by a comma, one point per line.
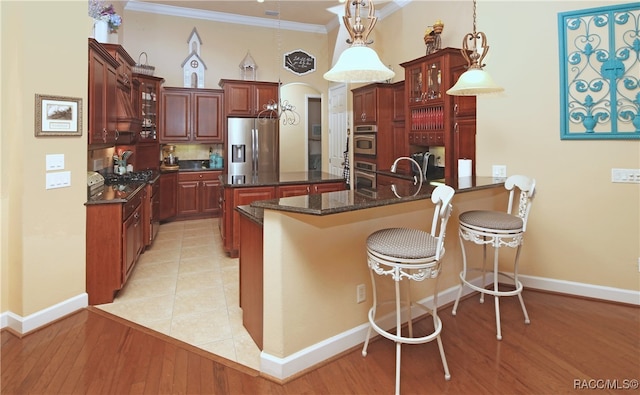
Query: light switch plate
x=499, y=171
x=60, y=179
x=55, y=161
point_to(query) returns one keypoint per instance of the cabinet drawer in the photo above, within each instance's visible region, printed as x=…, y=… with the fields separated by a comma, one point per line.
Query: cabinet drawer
x=197, y=176
x=129, y=207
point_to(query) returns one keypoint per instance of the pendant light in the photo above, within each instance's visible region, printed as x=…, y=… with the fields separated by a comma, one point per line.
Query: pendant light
x=475, y=81
x=359, y=63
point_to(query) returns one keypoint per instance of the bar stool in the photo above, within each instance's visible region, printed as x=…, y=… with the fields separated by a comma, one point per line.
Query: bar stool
x=499, y=229
x=413, y=255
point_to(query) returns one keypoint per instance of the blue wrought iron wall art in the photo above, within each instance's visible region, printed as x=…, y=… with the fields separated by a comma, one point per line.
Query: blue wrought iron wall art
x=600, y=73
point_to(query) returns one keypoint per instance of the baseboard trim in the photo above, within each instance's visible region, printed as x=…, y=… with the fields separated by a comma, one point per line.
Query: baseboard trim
x=24, y=325
x=303, y=360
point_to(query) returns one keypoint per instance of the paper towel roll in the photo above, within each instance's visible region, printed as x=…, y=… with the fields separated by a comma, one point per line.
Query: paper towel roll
x=464, y=167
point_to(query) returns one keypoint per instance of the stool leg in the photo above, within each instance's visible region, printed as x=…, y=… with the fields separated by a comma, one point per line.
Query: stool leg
x=463, y=274
x=495, y=288
x=399, y=333
x=372, y=313
x=484, y=271
x=409, y=313
x=517, y=285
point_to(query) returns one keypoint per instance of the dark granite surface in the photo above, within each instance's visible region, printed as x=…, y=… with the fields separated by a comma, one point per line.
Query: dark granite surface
x=119, y=193
x=273, y=179
x=351, y=200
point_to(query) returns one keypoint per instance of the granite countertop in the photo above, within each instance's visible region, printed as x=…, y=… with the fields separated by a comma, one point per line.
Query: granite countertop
x=273, y=179
x=351, y=200
x=119, y=193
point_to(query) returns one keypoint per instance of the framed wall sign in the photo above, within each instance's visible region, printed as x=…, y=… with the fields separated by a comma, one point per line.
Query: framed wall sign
x=58, y=116
x=600, y=73
x=299, y=62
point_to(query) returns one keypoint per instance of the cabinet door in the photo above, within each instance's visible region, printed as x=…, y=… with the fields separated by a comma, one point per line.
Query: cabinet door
x=207, y=117
x=132, y=241
x=364, y=106
x=243, y=196
x=97, y=103
x=294, y=190
x=168, y=195
x=237, y=98
x=111, y=105
x=264, y=94
x=464, y=141
x=188, y=197
x=176, y=116
x=210, y=196
x=398, y=102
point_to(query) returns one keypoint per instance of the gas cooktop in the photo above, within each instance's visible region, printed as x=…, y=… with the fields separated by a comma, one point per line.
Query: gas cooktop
x=127, y=178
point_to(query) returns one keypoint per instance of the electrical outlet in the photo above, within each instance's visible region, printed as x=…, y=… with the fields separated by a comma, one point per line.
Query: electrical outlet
x=499, y=171
x=625, y=175
x=638, y=264
x=361, y=293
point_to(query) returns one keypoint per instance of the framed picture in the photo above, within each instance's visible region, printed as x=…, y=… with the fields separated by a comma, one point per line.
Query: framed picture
x=316, y=131
x=58, y=116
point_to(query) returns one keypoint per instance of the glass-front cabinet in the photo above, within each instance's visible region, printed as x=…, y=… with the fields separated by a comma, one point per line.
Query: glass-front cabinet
x=431, y=115
x=149, y=104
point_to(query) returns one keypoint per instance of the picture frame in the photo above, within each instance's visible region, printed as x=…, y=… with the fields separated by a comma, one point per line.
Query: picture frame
x=316, y=130
x=58, y=116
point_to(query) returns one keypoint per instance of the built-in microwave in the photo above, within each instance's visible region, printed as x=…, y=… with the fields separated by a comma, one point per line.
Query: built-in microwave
x=364, y=140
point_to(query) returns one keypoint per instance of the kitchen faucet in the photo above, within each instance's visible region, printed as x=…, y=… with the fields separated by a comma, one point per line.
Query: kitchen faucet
x=415, y=180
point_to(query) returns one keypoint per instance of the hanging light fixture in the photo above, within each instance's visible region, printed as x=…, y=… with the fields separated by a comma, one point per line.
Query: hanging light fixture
x=475, y=81
x=283, y=110
x=359, y=63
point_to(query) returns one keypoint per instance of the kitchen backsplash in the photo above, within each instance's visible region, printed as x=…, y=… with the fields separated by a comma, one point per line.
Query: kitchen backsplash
x=196, y=151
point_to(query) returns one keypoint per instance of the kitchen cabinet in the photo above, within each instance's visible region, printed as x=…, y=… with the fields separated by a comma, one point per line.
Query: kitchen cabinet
x=191, y=115
x=234, y=197
x=374, y=104
x=198, y=194
x=151, y=213
x=128, y=119
x=168, y=195
x=434, y=118
x=102, y=112
x=248, y=98
x=114, y=243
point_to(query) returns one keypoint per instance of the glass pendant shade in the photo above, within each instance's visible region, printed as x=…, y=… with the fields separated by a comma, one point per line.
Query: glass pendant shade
x=473, y=82
x=359, y=64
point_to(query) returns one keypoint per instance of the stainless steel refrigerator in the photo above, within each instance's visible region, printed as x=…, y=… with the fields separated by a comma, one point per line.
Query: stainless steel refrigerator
x=252, y=146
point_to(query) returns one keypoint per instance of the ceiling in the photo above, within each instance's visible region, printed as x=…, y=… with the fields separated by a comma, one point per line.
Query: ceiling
x=312, y=12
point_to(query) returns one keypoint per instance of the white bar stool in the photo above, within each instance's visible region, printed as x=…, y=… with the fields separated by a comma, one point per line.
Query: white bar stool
x=499, y=229
x=413, y=255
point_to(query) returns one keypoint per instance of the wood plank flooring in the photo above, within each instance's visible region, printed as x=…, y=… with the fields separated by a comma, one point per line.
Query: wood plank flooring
x=569, y=341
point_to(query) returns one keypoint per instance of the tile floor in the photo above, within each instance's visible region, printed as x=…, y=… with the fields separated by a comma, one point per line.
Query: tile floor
x=186, y=287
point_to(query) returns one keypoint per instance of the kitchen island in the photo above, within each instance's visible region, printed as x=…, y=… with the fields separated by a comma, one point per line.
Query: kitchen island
x=241, y=189
x=313, y=257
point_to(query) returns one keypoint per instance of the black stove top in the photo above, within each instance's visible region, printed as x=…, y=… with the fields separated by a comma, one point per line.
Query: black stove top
x=127, y=178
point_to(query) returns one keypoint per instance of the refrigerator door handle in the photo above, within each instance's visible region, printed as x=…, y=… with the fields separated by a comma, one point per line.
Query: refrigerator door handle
x=254, y=145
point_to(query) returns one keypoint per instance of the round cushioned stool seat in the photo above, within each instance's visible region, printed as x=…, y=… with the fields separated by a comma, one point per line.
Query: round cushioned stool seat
x=491, y=220
x=403, y=243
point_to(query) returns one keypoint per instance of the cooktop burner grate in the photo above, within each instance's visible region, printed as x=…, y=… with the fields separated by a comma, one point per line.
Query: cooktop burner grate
x=136, y=176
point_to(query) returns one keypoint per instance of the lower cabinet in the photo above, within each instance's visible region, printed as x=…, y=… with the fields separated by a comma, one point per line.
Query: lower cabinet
x=168, y=195
x=114, y=243
x=239, y=196
x=198, y=194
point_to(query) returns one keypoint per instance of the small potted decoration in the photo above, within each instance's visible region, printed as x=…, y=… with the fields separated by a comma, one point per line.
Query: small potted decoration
x=432, y=37
x=106, y=20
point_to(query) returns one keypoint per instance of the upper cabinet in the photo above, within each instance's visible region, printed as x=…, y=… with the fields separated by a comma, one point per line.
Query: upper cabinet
x=191, y=115
x=102, y=95
x=149, y=106
x=430, y=113
x=248, y=98
x=365, y=102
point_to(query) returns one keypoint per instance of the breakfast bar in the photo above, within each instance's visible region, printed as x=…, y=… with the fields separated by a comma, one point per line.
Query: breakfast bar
x=302, y=257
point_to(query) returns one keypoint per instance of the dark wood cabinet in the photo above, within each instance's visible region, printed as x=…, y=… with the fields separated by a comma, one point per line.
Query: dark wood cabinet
x=365, y=105
x=248, y=98
x=101, y=95
x=149, y=108
x=168, y=195
x=114, y=242
x=433, y=118
x=191, y=115
x=198, y=194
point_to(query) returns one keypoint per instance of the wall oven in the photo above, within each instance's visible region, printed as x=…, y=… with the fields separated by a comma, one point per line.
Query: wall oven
x=364, y=140
x=364, y=175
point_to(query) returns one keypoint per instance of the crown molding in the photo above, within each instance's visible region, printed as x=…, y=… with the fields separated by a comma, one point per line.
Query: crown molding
x=161, y=9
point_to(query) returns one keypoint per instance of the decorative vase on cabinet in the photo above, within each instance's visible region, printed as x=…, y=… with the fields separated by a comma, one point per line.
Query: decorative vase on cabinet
x=101, y=30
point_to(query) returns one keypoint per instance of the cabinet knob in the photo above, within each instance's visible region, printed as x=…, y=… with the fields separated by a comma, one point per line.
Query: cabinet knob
x=117, y=134
x=104, y=135
x=455, y=127
x=455, y=108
